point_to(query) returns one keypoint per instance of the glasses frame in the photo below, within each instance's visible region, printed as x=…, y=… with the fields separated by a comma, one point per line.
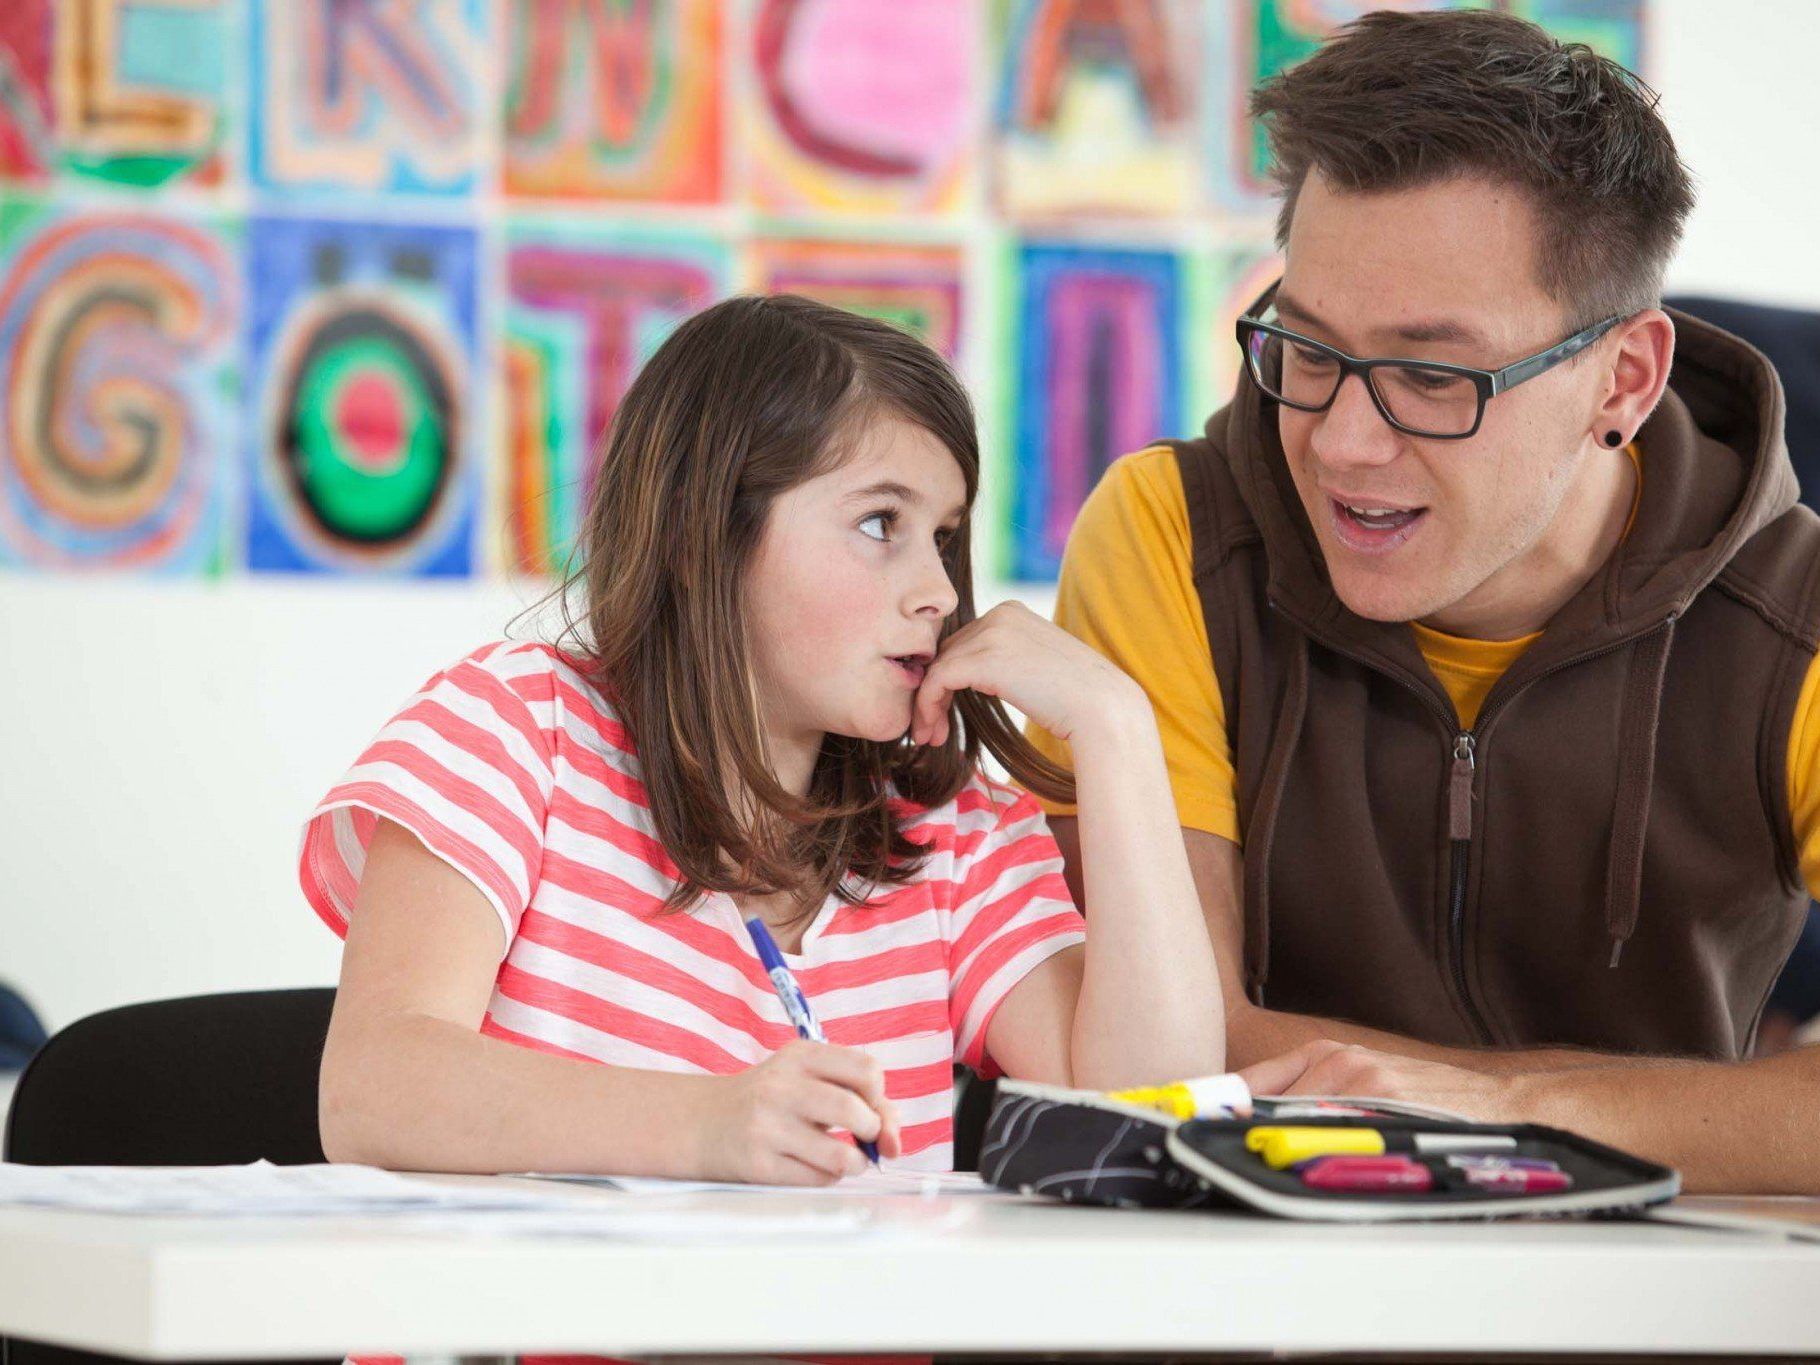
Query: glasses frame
x=1488, y=383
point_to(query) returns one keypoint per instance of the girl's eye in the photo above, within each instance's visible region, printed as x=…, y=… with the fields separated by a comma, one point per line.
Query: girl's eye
x=884, y=520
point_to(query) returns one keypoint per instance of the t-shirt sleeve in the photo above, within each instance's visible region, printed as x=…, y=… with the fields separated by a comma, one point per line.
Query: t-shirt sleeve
x=1012, y=911
x=1127, y=589
x=1804, y=777
x=466, y=767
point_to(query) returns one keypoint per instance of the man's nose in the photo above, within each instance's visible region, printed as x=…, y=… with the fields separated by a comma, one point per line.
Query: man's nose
x=1352, y=431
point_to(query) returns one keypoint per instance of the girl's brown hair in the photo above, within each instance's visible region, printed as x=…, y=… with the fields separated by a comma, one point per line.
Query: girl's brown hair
x=746, y=399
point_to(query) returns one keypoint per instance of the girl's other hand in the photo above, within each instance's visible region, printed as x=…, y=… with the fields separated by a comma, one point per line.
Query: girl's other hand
x=772, y=1124
x=1031, y=663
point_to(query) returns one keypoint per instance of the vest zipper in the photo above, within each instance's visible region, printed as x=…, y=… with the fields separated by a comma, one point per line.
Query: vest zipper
x=1461, y=772
x=1459, y=833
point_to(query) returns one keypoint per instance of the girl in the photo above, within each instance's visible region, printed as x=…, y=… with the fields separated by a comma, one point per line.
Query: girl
x=542, y=864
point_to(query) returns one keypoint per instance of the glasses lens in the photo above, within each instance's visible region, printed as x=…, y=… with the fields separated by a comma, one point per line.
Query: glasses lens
x=1301, y=376
x=1431, y=402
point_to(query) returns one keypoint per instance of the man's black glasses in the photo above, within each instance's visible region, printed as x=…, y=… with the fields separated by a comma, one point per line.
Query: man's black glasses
x=1418, y=397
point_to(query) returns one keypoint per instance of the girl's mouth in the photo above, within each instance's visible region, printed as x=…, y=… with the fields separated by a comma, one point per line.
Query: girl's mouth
x=912, y=667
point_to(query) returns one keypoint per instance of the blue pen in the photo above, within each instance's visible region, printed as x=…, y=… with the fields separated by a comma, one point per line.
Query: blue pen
x=796, y=1004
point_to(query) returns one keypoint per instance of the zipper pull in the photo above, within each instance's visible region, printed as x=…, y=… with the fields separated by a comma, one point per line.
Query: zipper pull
x=1459, y=793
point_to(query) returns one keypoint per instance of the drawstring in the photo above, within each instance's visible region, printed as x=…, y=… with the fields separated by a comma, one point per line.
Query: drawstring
x=1636, y=778
x=1262, y=833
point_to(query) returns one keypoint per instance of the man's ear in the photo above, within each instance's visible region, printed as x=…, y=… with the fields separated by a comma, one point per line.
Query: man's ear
x=1644, y=353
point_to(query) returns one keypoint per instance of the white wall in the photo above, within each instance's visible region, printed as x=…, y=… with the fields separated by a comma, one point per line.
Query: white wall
x=159, y=743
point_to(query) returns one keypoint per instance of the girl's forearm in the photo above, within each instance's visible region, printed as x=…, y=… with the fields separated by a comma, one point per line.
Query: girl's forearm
x=1149, y=1008
x=426, y=1094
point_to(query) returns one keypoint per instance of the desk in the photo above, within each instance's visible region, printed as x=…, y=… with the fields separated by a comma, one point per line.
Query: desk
x=1008, y=1275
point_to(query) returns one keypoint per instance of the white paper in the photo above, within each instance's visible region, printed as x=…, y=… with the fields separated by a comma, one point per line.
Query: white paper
x=256, y=1188
x=875, y=1180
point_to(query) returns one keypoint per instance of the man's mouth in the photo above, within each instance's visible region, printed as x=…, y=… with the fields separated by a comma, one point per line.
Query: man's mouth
x=913, y=666
x=1369, y=526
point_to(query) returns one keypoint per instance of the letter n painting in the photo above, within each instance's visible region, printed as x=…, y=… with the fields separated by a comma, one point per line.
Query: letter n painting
x=613, y=99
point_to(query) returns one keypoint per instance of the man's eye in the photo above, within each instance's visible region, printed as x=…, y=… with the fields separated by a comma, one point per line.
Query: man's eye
x=883, y=520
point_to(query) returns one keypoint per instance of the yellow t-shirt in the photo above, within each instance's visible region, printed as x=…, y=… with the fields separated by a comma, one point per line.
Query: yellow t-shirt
x=1127, y=589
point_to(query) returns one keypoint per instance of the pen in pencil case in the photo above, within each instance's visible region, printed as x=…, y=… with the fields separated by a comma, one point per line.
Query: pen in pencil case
x=796, y=1004
x=1282, y=1147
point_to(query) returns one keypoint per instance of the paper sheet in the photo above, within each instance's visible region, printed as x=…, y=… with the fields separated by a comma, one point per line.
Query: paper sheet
x=258, y=1187
x=441, y=1204
x=877, y=1180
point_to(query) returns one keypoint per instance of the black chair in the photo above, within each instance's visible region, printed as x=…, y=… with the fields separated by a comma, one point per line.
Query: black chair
x=209, y=1080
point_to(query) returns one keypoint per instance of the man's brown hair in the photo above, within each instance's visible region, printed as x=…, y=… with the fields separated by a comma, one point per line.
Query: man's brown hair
x=1397, y=101
x=745, y=400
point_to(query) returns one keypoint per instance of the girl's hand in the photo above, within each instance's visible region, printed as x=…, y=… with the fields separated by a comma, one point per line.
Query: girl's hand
x=1014, y=654
x=771, y=1124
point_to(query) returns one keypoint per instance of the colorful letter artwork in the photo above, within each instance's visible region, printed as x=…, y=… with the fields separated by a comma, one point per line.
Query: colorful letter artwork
x=613, y=100
x=1095, y=113
x=360, y=453
x=1098, y=366
x=366, y=95
x=124, y=93
x=861, y=105
x=585, y=309
x=115, y=359
x=917, y=288
x=354, y=288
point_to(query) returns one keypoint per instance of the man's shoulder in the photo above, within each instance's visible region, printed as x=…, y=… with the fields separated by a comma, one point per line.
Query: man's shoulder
x=1136, y=507
x=1151, y=475
x=1777, y=574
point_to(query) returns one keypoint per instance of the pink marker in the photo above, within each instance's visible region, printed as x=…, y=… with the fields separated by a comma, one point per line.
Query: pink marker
x=1375, y=1174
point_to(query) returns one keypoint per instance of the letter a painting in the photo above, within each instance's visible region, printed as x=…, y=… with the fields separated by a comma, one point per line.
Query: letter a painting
x=116, y=389
x=1096, y=364
x=367, y=96
x=613, y=99
x=585, y=308
x=361, y=442
x=861, y=106
x=1096, y=109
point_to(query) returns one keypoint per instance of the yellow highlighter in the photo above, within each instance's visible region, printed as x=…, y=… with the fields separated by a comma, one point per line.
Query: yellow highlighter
x=1202, y=1097
x=1284, y=1147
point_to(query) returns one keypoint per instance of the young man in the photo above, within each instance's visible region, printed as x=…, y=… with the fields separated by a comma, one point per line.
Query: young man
x=1487, y=679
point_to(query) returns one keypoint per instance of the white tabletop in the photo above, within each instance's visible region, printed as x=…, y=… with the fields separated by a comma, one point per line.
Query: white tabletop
x=951, y=1273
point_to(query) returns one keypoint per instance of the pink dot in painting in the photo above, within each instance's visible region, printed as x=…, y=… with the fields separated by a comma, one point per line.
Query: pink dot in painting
x=889, y=75
x=370, y=420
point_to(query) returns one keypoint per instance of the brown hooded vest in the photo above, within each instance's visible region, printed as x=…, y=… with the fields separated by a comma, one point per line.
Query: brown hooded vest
x=1606, y=859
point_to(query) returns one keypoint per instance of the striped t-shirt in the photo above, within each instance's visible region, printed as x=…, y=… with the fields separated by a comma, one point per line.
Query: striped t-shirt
x=515, y=770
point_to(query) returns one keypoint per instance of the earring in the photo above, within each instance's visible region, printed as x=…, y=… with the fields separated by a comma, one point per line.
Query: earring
x=1613, y=439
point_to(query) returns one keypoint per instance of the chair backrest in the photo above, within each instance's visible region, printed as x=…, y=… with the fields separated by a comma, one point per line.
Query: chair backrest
x=209, y=1080
x=1790, y=337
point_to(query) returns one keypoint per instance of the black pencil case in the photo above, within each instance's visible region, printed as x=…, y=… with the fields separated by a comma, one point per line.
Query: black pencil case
x=1084, y=1148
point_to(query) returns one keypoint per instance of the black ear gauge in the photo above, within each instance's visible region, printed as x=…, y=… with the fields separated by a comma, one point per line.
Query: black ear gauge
x=1614, y=439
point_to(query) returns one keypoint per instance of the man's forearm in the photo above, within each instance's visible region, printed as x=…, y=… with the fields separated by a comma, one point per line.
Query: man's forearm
x=1728, y=1127
x=1254, y=1034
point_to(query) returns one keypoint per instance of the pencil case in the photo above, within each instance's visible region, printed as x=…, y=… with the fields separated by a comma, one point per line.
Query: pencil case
x=1081, y=1147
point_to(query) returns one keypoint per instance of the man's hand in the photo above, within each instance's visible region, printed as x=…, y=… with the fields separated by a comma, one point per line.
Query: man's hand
x=1329, y=1068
